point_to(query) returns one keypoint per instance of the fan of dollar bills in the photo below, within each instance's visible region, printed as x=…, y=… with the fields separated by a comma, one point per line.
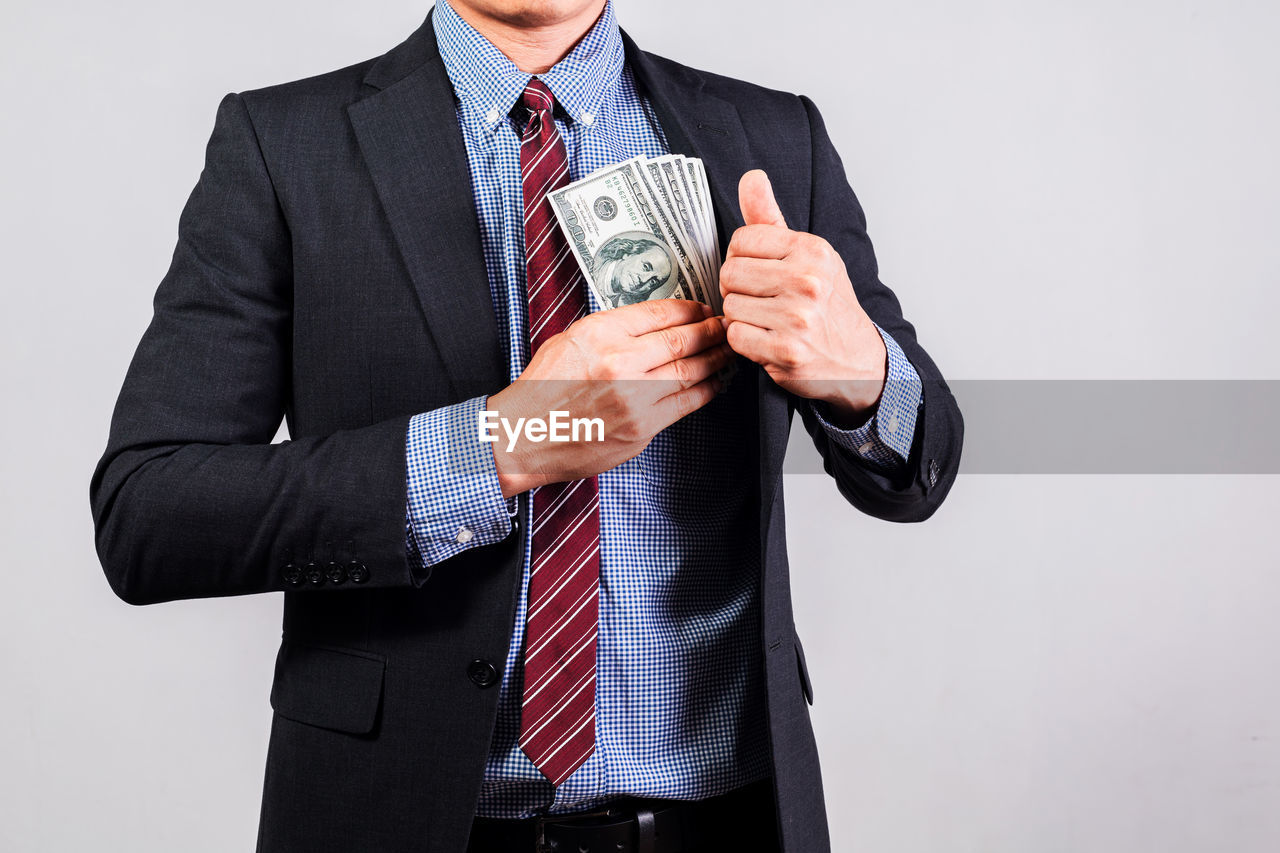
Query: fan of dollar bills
x=643, y=229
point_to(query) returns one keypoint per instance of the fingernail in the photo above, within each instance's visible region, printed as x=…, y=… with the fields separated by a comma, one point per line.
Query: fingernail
x=724, y=321
x=706, y=311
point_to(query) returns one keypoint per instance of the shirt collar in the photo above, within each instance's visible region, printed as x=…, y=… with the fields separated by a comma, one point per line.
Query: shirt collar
x=490, y=84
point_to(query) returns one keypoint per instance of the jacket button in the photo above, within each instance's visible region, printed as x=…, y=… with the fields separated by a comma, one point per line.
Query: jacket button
x=482, y=673
x=335, y=573
x=292, y=575
x=314, y=575
x=357, y=571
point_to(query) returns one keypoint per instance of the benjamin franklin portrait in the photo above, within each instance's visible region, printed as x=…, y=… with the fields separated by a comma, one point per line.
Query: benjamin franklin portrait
x=634, y=267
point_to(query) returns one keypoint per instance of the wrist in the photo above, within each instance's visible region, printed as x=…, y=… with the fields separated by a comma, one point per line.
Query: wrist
x=514, y=476
x=854, y=400
x=851, y=403
x=516, y=463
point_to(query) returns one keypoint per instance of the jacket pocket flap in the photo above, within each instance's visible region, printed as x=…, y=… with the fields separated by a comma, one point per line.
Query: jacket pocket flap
x=327, y=687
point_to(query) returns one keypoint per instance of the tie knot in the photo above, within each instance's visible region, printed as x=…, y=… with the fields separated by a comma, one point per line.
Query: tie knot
x=537, y=97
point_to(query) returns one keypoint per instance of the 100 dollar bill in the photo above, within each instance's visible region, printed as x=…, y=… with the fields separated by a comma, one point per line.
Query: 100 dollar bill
x=627, y=249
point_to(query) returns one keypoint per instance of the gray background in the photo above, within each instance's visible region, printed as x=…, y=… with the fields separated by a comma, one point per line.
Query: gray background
x=1057, y=190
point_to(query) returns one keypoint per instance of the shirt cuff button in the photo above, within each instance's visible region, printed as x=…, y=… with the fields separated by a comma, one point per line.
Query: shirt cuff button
x=464, y=535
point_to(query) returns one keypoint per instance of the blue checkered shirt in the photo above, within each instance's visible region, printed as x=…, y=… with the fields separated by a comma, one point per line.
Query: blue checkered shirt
x=679, y=698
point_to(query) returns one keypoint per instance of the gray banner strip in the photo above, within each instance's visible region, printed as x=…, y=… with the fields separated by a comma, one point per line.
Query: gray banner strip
x=1170, y=426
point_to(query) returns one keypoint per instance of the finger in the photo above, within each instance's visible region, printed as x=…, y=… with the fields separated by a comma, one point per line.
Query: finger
x=751, y=276
x=755, y=197
x=687, y=372
x=644, y=317
x=761, y=311
x=761, y=241
x=673, y=407
x=674, y=342
x=753, y=342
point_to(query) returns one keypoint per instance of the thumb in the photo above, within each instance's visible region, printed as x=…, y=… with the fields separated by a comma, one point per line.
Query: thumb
x=755, y=197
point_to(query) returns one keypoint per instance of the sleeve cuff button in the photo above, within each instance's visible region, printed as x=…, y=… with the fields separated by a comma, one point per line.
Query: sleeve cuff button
x=464, y=535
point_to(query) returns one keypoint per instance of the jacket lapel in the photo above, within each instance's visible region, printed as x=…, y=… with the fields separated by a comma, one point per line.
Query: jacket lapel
x=408, y=133
x=698, y=124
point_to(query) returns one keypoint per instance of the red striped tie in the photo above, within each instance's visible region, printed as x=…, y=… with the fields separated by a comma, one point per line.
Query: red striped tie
x=557, y=720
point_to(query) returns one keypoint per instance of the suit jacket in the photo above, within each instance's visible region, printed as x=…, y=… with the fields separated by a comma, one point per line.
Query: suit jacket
x=328, y=270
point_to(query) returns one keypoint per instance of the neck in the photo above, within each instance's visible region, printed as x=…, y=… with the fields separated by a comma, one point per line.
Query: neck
x=532, y=42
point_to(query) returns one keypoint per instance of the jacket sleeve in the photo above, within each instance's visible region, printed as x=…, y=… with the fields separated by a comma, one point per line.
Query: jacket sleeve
x=914, y=491
x=191, y=499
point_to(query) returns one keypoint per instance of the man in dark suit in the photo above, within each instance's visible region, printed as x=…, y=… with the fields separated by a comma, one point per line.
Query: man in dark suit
x=366, y=255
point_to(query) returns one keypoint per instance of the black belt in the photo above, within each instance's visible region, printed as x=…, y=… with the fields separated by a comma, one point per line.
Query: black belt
x=739, y=820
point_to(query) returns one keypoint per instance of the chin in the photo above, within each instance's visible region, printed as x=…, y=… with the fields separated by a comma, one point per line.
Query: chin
x=531, y=13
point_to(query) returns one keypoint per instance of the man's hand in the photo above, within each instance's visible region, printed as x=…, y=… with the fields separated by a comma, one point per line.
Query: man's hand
x=639, y=368
x=789, y=307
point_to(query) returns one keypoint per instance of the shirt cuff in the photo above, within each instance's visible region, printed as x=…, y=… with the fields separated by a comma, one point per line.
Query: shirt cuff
x=455, y=502
x=884, y=439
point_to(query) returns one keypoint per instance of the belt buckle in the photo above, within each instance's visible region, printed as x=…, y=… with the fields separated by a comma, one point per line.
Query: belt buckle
x=540, y=822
